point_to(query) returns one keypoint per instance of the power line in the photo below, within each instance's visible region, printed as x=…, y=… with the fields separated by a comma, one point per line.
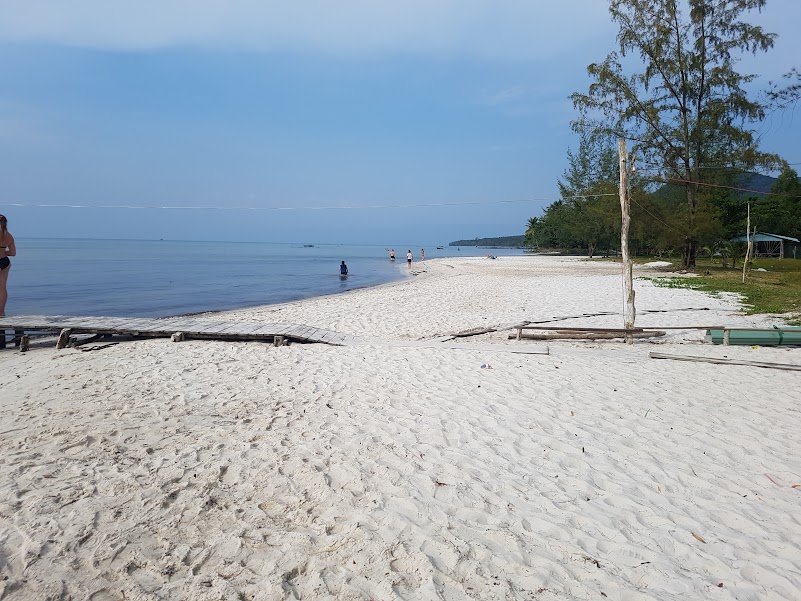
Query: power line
x=687, y=181
x=290, y=208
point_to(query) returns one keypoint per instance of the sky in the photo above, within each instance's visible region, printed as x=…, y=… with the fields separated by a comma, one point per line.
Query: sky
x=357, y=121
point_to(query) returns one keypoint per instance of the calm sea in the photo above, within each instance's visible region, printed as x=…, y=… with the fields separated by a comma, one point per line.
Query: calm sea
x=162, y=278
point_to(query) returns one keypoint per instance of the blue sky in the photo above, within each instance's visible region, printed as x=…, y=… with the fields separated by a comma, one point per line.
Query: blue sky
x=430, y=121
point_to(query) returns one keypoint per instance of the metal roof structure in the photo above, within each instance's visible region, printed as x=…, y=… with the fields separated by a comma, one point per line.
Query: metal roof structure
x=769, y=245
x=759, y=237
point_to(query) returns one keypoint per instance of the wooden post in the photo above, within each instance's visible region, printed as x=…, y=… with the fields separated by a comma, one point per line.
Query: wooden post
x=748, y=239
x=3, y=339
x=629, y=311
x=63, y=338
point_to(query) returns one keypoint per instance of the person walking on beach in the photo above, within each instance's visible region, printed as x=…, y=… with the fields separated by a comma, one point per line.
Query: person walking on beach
x=422, y=254
x=409, y=258
x=343, y=269
x=7, y=249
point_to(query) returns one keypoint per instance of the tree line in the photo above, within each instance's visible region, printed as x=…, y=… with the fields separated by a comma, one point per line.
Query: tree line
x=672, y=90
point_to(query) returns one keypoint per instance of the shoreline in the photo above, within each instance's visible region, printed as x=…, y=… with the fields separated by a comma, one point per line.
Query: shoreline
x=207, y=470
x=536, y=283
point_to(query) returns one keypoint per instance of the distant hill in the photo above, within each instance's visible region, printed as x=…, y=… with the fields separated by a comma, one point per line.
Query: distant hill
x=755, y=181
x=750, y=181
x=502, y=242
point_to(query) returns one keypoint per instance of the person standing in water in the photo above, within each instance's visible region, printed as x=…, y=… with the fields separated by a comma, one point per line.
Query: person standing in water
x=7, y=249
x=392, y=255
x=343, y=269
x=409, y=258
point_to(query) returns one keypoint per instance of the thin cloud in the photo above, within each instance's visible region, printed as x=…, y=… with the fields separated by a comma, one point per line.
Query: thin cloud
x=486, y=28
x=20, y=127
x=505, y=96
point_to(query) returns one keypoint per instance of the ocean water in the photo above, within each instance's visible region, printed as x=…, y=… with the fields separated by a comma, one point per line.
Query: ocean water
x=151, y=278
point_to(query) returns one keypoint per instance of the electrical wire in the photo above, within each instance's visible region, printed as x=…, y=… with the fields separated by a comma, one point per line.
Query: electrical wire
x=687, y=181
x=304, y=208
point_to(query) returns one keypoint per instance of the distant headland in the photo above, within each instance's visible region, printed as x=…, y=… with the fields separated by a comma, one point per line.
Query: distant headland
x=502, y=242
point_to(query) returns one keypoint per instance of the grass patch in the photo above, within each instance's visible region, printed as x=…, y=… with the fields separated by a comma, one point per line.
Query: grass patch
x=776, y=290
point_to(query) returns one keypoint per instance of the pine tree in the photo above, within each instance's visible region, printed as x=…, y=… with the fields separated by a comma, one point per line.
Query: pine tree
x=673, y=89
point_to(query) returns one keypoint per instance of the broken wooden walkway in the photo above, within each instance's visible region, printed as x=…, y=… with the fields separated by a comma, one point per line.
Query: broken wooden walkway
x=187, y=326
x=205, y=328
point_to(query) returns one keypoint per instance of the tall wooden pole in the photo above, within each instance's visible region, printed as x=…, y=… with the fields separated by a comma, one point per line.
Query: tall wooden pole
x=629, y=312
x=748, y=240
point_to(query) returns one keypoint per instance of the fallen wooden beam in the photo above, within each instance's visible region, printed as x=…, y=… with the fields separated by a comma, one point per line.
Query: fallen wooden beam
x=726, y=361
x=586, y=335
x=569, y=329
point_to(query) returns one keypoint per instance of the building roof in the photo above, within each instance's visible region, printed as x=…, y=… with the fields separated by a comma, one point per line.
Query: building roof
x=760, y=237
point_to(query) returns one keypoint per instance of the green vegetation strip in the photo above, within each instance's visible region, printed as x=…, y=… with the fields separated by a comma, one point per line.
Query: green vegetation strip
x=776, y=290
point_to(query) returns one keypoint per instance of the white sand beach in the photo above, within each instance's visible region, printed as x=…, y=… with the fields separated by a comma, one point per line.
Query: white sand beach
x=399, y=467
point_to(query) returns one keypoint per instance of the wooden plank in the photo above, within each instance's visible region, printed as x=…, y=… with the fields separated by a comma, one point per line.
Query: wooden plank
x=726, y=361
x=213, y=328
x=331, y=335
x=314, y=334
x=320, y=334
x=115, y=324
x=136, y=325
x=173, y=324
x=239, y=328
x=337, y=339
x=323, y=336
x=568, y=329
x=194, y=325
x=280, y=330
x=294, y=331
x=290, y=327
x=302, y=333
x=268, y=329
x=245, y=329
x=71, y=321
x=586, y=335
x=95, y=324
x=510, y=326
x=473, y=332
x=178, y=322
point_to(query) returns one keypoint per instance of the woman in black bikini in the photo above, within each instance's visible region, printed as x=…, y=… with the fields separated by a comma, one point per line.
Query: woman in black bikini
x=7, y=249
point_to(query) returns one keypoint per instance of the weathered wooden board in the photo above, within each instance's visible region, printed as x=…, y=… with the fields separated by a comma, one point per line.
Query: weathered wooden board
x=585, y=335
x=726, y=361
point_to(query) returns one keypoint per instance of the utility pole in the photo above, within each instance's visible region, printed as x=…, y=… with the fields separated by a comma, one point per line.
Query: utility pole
x=629, y=312
x=748, y=240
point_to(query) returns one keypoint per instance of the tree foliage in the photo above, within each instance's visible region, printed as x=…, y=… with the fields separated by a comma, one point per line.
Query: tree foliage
x=782, y=212
x=673, y=89
x=587, y=217
x=787, y=96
